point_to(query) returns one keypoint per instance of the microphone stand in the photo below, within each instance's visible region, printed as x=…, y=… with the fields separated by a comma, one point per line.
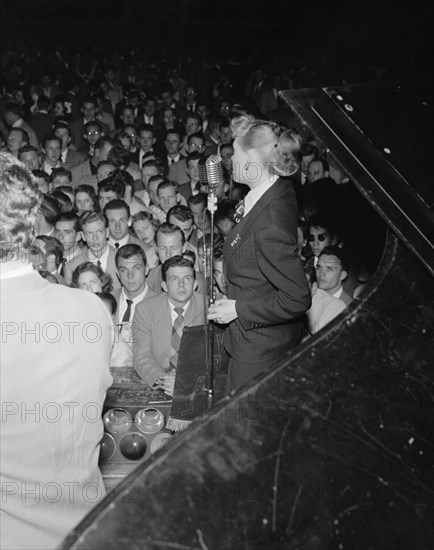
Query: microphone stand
x=209, y=326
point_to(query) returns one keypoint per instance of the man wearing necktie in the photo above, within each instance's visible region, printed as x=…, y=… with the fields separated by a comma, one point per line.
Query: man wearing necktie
x=159, y=321
x=132, y=271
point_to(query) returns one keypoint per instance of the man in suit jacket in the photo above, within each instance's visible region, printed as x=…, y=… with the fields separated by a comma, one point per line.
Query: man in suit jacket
x=171, y=155
x=178, y=171
x=69, y=157
x=50, y=436
x=132, y=269
x=146, y=143
x=132, y=266
x=154, y=356
x=95, y=233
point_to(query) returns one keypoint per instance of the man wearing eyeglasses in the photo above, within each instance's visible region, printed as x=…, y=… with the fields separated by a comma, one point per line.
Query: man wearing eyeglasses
x=91, y=133
x=320, y=235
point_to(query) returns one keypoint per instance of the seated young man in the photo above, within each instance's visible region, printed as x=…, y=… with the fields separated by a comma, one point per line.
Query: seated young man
x=69, y=157
x=324, y=308
x=159, y=320
x=92, y=131
x=61, y=177
x=109, y=189
x=153, y=183
x=94, y=232
x=170, y=242
x=67, y=230
x=331, y=270
x=192, y=187
x=132, y=270
x=119, y=185
x=146, y=141
x=150, y=168
x=30, y=156
x=167, y=197
x=51, y=146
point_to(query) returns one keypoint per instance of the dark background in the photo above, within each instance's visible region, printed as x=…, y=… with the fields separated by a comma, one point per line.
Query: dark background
x=392, y=35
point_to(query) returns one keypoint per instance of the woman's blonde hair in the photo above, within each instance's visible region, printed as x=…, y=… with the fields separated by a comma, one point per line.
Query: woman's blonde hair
x=19, y=204
x=278, y=148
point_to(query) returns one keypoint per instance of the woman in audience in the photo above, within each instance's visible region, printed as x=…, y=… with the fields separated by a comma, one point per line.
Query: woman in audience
x=89, y=276
x=144, y=228
x=85, y=199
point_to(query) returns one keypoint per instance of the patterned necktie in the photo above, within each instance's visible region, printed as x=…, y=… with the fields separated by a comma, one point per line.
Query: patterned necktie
x=239, y=211
x=99, y=264
x=116, y=245
x=126, y=317
x=177, y=328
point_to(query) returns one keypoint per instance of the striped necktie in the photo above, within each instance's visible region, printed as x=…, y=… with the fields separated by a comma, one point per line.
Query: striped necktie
x=177, y=329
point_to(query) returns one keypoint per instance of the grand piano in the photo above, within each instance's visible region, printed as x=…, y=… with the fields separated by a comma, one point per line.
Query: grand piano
x=333, y=448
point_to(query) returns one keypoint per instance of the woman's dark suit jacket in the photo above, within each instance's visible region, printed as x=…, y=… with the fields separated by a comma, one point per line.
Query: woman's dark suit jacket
x=266, y=278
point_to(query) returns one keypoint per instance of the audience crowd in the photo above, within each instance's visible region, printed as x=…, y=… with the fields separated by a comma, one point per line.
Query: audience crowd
x=114, y=146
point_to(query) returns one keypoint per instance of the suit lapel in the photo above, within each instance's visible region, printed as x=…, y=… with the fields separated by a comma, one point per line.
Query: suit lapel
x=241, y=231
x=163, y=322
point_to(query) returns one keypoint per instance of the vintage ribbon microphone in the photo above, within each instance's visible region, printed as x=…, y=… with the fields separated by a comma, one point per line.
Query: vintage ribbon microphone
x=210, y=175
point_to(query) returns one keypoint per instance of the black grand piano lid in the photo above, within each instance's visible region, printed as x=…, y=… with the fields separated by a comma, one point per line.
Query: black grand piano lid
x=332, y=447
x=382, y=135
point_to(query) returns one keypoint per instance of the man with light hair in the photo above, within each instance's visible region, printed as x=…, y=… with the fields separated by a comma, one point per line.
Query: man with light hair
x=51, y=399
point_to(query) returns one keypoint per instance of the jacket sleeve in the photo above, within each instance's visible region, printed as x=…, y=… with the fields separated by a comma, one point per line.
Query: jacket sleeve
x=285, y=292
x=143, y=361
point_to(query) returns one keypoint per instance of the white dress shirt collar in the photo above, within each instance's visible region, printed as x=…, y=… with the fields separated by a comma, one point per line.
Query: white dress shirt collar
x=338, y=293
x=103, y=258
x=173, y=313
x=254, y=195
x=112, y=242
